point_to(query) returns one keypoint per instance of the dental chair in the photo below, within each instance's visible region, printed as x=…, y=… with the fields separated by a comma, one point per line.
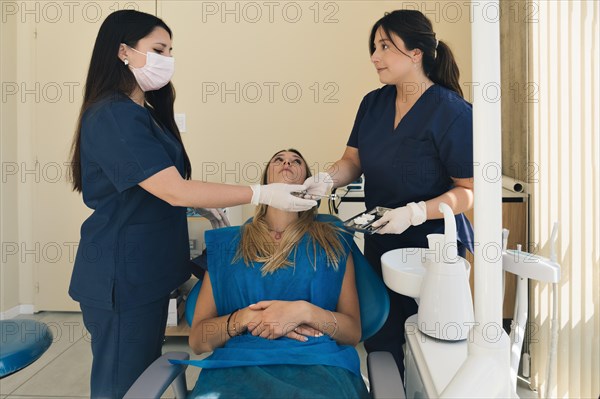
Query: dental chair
x=384, y=378
x=22, y=342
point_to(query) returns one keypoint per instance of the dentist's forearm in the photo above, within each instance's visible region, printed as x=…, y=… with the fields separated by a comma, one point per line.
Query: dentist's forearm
x=347, y=169
x=460, y=199
x=212, y=195
x=169, y=186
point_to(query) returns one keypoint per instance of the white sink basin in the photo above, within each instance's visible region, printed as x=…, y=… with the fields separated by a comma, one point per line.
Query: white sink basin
x=403, y=270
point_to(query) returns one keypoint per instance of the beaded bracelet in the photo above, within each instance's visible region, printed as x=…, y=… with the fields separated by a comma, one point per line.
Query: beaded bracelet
x=227, y=327
x=335, y=324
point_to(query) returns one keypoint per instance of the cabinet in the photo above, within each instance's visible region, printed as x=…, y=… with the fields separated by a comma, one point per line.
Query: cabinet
x=182, y=329
x=196, y=226
x=515, y=218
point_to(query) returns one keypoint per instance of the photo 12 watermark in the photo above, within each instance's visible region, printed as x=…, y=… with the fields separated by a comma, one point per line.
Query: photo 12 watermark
x=457, y=11
x=42, y=92
x=35, y=172
x=247, y=172
x=62, y=331
x=55, y=12
x=290, y=92
x=253, y=12
x=45, y=252
x=453, y=331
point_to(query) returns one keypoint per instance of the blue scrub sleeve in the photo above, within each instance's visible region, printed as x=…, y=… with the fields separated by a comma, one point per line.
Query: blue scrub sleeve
x=455, y=146
x=119, y=139
x=362, y=110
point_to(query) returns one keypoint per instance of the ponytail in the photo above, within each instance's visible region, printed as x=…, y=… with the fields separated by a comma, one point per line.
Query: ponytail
x=416, y=31
x=445, y=71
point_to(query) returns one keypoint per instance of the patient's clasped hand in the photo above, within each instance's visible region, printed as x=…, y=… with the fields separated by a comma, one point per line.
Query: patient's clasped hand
x=278, y=306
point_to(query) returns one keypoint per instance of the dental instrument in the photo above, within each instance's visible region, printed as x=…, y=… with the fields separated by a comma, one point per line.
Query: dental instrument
x=307, y=195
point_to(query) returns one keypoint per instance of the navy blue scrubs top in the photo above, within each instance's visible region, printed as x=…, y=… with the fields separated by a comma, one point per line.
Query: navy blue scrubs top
x=134, y=247
x=414, y=162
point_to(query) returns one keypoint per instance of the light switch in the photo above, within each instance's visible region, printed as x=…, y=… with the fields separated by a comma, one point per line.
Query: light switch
x=180, y=121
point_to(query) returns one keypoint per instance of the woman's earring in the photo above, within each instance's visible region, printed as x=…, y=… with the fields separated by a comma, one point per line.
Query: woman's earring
x=126, y=61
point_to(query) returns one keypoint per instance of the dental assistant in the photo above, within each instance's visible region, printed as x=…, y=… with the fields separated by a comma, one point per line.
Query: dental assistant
x=413, y=140
x=130, y=164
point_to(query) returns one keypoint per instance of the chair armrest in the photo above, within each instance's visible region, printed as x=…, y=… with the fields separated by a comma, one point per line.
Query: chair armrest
x=384, y=377
x=155, y=380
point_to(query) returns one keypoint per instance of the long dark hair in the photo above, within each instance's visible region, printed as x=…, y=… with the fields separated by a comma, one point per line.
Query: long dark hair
x=108, y=76
x=416, y=31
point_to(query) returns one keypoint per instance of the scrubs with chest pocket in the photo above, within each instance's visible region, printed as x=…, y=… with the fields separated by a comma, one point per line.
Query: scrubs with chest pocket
x=133, y=249
x=412, y=162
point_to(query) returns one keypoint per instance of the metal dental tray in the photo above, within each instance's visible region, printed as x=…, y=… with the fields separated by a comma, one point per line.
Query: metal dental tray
x=366, y=228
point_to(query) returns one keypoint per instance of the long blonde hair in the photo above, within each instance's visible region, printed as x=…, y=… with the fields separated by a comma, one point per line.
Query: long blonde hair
x=256, y=244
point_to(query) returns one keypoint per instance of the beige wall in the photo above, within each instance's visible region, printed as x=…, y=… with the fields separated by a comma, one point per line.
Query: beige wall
x=227, y=140
x=9, y=269
x=235, y=48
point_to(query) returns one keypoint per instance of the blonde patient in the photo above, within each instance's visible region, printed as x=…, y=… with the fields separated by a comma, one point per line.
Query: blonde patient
x=278, y=305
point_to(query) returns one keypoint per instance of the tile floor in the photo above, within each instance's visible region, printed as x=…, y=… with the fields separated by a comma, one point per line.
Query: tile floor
x=64, y=370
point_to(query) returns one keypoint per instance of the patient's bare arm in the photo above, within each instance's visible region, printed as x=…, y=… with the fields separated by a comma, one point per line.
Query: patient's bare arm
x=210, y=331
x=281, y=318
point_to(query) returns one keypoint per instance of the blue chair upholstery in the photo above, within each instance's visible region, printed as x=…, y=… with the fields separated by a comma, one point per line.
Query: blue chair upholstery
x=22, y=342
x=372, y=293
x=190, y=302
x=374, y=308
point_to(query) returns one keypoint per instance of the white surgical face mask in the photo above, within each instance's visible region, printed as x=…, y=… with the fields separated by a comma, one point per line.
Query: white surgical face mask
x=157, y=72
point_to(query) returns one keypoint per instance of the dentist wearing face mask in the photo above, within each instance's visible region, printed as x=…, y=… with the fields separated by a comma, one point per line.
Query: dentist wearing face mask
x=129, y=162
x=413, y=140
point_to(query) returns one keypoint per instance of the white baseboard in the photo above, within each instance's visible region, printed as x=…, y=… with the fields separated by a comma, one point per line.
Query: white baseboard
x=15, y=311
x=10, y=313
x=26, y=309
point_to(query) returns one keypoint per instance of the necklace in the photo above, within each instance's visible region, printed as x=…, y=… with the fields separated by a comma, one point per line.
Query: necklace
x=278, y=233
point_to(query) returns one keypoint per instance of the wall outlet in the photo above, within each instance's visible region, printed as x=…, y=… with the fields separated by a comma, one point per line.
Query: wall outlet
x=180, y=121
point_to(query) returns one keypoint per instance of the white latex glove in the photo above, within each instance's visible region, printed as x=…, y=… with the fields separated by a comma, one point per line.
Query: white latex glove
x=400, y=219
x=319, y=185
x=278, y=196
x=216, y=216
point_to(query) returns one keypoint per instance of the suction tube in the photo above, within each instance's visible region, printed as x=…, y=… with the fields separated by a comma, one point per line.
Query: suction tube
x=514, y=185
x=450, y=250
